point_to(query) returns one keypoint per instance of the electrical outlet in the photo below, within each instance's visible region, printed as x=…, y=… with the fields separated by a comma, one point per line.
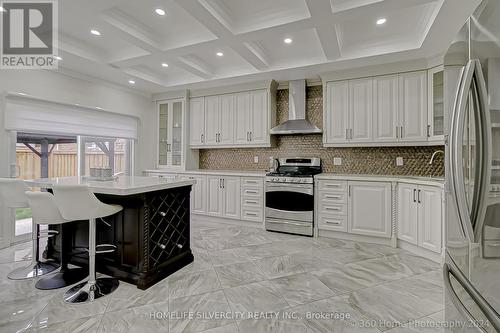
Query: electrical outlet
x=337, y=161
x=399, y=161
x=256, y=159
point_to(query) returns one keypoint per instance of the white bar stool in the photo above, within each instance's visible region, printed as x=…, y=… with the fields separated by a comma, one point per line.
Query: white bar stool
x=77, y=202
x=45, y=211
x=13, y=195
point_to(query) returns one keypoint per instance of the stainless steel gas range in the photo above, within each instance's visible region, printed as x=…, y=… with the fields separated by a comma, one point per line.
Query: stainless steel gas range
x=290, y=195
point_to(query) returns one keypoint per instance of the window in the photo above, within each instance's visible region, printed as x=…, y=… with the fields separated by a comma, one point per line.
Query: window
x=114, y=153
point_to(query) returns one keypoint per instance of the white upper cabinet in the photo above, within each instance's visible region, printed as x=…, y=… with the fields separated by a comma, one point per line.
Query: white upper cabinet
x=259, y=129
x=171, y=129
x=385, y=108
x=236, y=119
x=360, y=110
x=369, y=208
x=243, y=117
x=413, y=106
x=336, y=112
x=435, y=88
x=226, y=119
x=382, y=111
x=197, y=121
x=212, y=120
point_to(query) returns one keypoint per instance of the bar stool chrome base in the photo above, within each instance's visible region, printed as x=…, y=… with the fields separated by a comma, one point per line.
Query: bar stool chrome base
x=38, y=269
x=86, y=292
x=61, y=279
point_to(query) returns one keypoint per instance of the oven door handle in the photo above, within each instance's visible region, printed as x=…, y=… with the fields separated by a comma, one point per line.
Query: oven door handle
x=290, y=188
x=298, y=224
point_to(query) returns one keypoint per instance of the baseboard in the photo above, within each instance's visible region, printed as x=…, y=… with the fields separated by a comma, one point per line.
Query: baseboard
x=236, y=222
x=420, y=251
x=354, y=237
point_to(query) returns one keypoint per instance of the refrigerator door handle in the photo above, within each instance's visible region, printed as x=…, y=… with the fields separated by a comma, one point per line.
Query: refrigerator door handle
x=455, y=156
x=489, y=312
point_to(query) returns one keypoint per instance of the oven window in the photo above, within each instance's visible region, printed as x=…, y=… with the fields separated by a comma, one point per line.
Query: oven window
x=290, y=201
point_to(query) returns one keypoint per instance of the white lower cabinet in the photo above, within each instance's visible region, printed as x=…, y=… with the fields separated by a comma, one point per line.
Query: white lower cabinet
x=420, y=215
x=231, y=197
x=370, y=208
x=198, y=197
x=355, y=207
x=214, y=196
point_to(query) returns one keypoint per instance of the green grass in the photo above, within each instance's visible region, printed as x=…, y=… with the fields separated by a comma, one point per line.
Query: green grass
x=23, y=213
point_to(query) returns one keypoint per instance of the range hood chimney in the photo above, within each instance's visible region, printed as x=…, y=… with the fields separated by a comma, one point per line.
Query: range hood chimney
x=297, y=122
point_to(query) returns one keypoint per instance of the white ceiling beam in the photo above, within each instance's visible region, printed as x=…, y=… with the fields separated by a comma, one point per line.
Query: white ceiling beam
x=253, y=54
x=144, y=75
x=207, y=15
x=131, y=30
x=321, y=12
x=195, y=66
x=80, y=49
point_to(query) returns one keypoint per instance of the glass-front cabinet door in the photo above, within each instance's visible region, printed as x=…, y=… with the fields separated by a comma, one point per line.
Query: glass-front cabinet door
x=435, y=128
x=170, y=133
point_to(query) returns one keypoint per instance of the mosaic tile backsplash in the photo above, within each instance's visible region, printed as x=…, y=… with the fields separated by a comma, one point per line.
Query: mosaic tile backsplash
x=363, y=160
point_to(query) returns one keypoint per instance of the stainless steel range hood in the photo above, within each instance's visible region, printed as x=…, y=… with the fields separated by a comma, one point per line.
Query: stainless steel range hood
x=297, y=122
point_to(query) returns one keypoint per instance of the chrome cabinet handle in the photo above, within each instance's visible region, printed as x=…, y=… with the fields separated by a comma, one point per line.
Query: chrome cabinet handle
x=418, y=196
x=332, y=196
x=428, y=131
x=201, y=138
x=347, y=134
x=220, y=182
x=350, y=131
x=414, y=195
x=332, y=208
x=251, y=136
x=332, y=222
x=397, y=134
x=251, y=214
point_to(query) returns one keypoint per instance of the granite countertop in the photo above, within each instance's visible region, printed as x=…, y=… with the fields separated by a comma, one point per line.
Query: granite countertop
x=242, y=173
x=434, y=181
x=123, y=185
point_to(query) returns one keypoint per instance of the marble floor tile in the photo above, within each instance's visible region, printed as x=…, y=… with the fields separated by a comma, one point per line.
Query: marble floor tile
x=199, y=313
x=301, y=288
x=258, y=296
x=129, y=296
x=239, y=274
x=398, y=302
x=192, y=283
x=345, y=255
x=231, y=328
x=229, y=256
x=17, y=315
x=57, y=310
x=346, y=278
x=82, y=325
x=147, y=318
x=333, y=315
x=274, y=267
x=272, y=325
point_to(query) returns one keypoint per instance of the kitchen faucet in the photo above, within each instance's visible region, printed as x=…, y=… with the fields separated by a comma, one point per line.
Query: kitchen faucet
x=434, y=155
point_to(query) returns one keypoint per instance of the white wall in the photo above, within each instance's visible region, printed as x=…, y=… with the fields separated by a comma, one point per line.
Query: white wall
x=61, y=88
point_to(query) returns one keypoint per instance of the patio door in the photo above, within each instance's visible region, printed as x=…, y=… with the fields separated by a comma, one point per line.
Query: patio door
x=35, y=155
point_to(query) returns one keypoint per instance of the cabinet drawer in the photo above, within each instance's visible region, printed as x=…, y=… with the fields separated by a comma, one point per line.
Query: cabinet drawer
x=252, y=192
x=333, y=185
x=332, y=222
x=252, y=202
x=252, y=214
x=249, y=182
x=340, y=209
x=332, y=197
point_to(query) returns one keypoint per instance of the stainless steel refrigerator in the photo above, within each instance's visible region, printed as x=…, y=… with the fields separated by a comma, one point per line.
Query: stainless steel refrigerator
x=472, y=97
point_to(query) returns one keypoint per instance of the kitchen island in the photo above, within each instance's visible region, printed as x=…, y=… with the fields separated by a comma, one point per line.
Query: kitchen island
x=151, y=234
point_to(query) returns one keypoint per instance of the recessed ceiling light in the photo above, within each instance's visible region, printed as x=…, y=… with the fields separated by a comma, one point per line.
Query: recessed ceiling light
x=220, y=54
x=160, y=11
x=58, y=58
x=164, y=65
x=22, y=94
x=288, y=40
x=381, y=21
x=2, y=9
x=132, y=82
x=95, y=32
x=98, y=108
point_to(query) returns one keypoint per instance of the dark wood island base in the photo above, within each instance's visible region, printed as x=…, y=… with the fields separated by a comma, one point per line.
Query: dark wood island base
x=151, y=235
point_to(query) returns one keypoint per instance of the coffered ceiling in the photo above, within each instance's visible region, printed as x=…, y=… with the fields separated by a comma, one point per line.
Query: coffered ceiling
x=325, y=35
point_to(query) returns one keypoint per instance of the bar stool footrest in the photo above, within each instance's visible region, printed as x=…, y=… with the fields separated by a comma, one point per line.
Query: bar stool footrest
x=106, y=248
x=85, y=292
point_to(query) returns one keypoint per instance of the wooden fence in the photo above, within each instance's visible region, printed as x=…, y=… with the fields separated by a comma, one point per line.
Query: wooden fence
x=63, y=164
